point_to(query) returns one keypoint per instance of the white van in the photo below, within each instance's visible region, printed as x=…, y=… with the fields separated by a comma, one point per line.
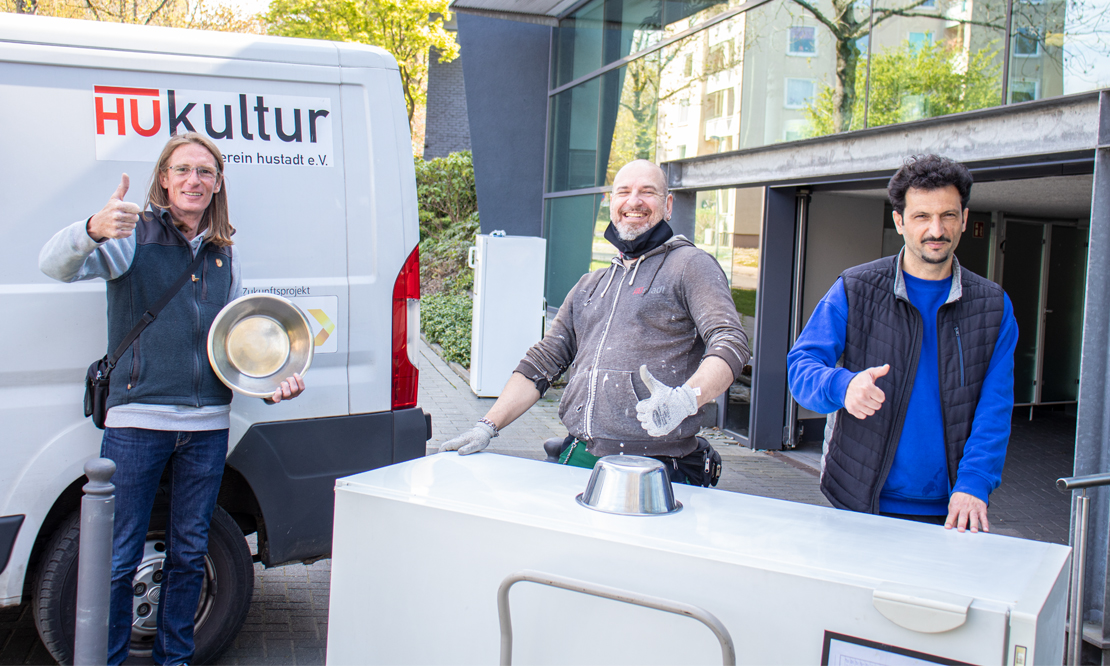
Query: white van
x=322, y=192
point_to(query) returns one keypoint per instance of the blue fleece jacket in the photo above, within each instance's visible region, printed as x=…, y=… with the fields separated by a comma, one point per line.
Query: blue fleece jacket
x=918, y=480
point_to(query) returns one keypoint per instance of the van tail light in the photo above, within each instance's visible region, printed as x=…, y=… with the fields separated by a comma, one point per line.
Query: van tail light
x=406, y=331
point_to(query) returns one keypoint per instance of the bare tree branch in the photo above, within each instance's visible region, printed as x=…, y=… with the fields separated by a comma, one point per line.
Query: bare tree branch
x=155, y=12
x=804, y=4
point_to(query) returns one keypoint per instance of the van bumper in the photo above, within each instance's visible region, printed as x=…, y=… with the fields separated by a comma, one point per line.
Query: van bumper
x=291, y=467
x=9, y=530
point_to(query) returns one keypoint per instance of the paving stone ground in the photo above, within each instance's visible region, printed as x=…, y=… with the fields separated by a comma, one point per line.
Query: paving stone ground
x=287, y=623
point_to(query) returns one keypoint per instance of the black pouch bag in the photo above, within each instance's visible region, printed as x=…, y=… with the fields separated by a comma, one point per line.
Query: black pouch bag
x=703, y=466
x=96, y=391
x=97, y=378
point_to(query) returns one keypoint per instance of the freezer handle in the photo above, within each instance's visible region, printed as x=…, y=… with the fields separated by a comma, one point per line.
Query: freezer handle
x=919, y=609
x=728, y=650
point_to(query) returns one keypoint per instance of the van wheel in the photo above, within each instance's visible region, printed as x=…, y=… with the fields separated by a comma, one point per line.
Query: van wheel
x=224, y=598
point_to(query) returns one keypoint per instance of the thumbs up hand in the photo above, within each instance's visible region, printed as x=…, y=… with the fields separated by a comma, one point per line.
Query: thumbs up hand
x=667, y=406
x=863, y=397
x=118, y=217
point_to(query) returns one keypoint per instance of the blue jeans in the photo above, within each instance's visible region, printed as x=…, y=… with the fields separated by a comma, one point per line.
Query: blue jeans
x=196, y=464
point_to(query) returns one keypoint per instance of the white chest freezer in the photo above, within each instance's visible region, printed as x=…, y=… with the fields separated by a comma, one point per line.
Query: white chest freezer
x=421, y=549
x=509, y=307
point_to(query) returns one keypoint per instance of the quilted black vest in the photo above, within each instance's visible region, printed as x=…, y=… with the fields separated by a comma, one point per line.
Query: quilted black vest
x=168, y=363
x=883, y=327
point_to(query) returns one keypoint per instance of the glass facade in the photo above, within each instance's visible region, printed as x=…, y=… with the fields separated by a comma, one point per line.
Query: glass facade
x=670, y=79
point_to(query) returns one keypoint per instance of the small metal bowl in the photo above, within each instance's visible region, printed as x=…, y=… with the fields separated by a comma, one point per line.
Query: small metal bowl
x=630, y=486
x=257, y=341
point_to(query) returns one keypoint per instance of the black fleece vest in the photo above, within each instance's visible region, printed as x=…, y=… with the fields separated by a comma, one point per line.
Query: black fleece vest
x=884, y=327
x=168, y=363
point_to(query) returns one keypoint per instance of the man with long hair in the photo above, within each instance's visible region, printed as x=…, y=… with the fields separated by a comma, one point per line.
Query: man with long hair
x=167, y=408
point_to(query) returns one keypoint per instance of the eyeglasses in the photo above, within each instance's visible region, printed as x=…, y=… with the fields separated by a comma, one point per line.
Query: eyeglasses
x=203, y=172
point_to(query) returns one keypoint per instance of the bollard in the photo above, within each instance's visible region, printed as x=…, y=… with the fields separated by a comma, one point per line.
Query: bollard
x=94, y=564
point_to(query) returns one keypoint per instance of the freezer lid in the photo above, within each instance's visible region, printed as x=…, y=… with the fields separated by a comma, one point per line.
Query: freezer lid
x=885, y=554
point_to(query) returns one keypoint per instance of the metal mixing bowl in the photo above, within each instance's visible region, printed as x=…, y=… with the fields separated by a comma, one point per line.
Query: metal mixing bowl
x=630, y=486
x=257, y=341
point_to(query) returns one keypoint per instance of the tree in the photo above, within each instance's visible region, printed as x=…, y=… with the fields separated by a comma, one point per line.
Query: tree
x=914, y=82
x=849, y=23
x=1043, y=25
x=405, y=28
x=199, y=14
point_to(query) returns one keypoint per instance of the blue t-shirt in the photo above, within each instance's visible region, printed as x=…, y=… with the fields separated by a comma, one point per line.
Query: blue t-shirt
x=918, y=479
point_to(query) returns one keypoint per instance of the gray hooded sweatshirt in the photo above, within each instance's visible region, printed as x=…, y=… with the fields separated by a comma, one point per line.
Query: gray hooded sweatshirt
x=669, y=310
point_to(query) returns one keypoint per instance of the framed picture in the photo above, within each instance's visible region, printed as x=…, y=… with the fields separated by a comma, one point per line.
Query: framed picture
x=841, y=650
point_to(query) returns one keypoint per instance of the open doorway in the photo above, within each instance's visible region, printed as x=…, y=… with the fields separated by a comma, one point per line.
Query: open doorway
x=1028, y=235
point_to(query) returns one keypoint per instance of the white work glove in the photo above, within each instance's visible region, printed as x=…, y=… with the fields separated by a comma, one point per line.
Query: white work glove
x=471, y=441
x=667, y=407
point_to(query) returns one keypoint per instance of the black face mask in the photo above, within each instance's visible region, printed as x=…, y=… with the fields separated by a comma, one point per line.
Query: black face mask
x=642, y=244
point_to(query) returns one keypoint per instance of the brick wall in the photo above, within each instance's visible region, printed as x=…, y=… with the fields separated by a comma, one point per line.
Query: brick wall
x=447, y=129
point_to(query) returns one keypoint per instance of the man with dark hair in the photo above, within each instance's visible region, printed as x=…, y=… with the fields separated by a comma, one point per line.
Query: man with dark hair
x=644, y=342
x=912, y=357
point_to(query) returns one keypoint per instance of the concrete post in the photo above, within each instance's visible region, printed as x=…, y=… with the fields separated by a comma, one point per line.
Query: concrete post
x=94, y=566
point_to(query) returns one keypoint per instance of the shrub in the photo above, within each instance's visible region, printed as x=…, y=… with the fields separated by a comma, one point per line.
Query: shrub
x=445, y=191
x=448, y=221
x=445, y=319
x=443, y=266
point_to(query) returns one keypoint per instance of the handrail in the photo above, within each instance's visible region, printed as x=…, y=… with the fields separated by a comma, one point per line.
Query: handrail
x=1086, y=481
x=728, y=650
x=1079, y=555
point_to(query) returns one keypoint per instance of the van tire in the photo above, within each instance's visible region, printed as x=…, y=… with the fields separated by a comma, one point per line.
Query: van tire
x=225, y=599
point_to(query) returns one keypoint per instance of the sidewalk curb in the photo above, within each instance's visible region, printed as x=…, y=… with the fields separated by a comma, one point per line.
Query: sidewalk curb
x=462, y=372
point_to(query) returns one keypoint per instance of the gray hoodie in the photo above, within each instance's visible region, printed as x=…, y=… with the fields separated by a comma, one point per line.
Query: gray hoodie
x=669, y=310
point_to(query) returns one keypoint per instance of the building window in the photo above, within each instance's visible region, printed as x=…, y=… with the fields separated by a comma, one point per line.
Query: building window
x=1026, y=43
x=919, y=39
x=795, y=130
x=688, y=66
x=928, y=4
x=799, y=92
x=719, y=56
x=1024, y=91
x=802, y=41
x=683, y=111
x=719, y=104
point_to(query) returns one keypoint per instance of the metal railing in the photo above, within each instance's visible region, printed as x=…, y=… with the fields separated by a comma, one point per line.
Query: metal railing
x=728, y=650
x=1079, y=554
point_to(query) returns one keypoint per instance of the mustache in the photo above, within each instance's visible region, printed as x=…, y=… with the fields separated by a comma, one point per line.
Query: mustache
x=933, y=239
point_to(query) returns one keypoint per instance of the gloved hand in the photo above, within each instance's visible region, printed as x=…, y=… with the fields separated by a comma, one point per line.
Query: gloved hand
x=667, y=407
x=471, y=441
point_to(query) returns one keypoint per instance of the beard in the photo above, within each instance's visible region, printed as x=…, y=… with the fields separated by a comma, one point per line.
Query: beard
x=630, y=232
x=944, y=257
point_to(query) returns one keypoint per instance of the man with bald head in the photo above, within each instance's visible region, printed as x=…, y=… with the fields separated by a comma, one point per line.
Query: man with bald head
x=644, y=342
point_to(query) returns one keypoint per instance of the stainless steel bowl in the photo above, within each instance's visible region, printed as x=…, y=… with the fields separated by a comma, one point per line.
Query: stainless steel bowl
x=630, y=486
x=257, y=341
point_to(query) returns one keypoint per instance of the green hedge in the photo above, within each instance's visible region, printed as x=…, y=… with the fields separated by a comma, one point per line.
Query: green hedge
x=448, y=223
x=445, y=319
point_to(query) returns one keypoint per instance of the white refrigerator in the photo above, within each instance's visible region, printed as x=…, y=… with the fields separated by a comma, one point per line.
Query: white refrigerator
x=509, y=307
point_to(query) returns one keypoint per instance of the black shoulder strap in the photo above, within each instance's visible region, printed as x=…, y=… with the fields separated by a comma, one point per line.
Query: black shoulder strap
x=152, y=314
